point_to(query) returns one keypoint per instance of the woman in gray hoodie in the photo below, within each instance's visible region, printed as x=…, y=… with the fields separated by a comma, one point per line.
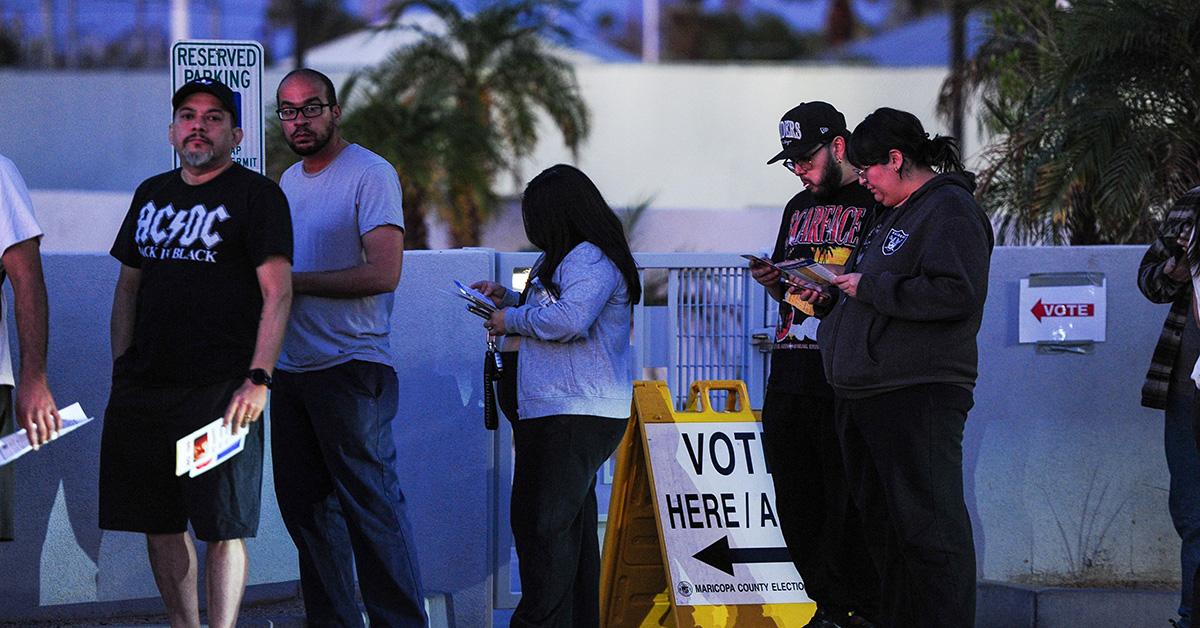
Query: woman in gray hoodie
x=899, y=350
x=573, y=390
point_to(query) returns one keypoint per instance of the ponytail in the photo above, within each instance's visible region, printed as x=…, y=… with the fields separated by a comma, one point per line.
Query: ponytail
x=941, y=154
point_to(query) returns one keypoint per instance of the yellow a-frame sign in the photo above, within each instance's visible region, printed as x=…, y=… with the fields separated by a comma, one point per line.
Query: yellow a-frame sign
x=692, y=536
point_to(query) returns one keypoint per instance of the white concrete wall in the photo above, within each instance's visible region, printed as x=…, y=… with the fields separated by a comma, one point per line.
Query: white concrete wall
x=684, y=137
x=699, y=136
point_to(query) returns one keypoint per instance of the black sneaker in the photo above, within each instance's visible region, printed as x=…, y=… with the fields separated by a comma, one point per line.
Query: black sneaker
x=822, y=619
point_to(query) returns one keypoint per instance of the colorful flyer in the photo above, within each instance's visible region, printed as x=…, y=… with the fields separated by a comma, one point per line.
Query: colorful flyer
x=207, y=448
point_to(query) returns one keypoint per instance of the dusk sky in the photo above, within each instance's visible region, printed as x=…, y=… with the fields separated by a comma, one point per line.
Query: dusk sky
x=100, y=20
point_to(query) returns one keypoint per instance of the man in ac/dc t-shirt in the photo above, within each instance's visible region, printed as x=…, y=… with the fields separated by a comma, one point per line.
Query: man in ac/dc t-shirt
x=198, y=319
x=820, y=526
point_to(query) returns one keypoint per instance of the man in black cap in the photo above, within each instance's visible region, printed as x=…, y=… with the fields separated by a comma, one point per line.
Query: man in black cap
x=198, y=318
x=823, y=222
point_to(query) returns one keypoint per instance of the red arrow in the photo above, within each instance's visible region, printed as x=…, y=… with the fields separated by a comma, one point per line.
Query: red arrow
x=1038, y=310
x=1066, y=310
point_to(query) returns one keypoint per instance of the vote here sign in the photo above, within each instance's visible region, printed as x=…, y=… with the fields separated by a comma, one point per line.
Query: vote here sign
x=716, y=510
x=239, y=65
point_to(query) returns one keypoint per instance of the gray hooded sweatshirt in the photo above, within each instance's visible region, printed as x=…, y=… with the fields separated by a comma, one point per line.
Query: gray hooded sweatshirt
x=575, y=352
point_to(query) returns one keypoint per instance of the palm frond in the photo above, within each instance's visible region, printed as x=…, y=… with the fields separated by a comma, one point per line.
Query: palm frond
x=1094, y=113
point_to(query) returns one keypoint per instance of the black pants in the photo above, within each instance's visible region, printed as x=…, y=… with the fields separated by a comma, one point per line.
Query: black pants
x=335, y=479
x=816, y=514
x=554, y=518
x=903, y=452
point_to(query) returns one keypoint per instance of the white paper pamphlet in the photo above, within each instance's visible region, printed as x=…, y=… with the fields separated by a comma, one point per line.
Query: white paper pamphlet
x=17, y=444
x=207, y=447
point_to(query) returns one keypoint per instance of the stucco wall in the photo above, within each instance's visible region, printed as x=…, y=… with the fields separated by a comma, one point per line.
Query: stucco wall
x=1064, y=467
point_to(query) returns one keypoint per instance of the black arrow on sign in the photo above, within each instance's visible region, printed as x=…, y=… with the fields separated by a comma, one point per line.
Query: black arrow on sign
x=720, y=556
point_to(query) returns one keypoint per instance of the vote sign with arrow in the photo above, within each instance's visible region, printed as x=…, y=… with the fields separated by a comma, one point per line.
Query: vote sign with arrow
x=1054, y=310
x=717, y=514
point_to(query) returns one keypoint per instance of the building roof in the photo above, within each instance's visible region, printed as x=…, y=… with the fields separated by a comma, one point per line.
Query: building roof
x=371, y=46
x=924, y=41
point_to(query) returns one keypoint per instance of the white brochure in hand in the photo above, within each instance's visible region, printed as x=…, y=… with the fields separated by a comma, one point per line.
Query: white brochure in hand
x=17, y=444
x=207, y=447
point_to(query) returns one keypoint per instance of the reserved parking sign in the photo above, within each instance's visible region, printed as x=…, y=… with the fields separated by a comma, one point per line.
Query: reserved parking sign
x=239, y=65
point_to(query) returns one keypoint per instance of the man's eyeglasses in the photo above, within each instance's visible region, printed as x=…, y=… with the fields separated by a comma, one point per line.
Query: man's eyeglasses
x=803, y=162
x=309, y=111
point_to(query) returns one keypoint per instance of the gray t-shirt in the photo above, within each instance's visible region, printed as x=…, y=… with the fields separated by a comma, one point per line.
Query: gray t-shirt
x=331, y=211
x=17, y=224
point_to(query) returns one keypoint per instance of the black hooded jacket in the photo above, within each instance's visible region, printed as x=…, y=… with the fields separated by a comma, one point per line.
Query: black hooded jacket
x=920, y=300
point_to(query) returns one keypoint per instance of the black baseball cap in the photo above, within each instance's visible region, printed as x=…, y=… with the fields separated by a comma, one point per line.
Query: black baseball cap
x=805, y=126
x=207, y=86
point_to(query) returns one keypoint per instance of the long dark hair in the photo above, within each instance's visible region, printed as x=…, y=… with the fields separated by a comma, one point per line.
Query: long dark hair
x=888, y=129
x=561, y=208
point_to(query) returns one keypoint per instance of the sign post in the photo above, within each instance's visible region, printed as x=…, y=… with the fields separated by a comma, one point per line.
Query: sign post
x=239, y=65
x=693, y=535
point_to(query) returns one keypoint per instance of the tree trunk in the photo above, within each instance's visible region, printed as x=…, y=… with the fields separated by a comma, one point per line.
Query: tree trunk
x=300, y=33
x=416, y=233
x=839, y=23
x=464, y=221
x=958, y=62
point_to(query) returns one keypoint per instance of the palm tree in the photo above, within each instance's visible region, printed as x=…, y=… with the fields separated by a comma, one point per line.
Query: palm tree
x=459, y=108
x=407, y=132
x=1096, y=111
x=313, y=22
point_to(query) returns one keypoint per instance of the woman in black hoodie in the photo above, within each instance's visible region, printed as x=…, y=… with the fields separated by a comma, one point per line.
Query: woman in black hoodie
x=899, y=348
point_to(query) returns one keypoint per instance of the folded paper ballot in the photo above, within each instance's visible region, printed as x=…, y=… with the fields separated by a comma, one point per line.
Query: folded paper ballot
x=17, y=444
x=207, y=447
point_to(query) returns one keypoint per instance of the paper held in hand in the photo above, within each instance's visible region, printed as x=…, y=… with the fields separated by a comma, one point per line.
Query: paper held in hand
x=800, y=273
x=17, y=444
x=477, y=302
x=809, y=269
x=207, y=448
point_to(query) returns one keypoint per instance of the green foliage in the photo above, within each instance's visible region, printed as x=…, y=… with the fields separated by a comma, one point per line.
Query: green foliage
x=459, y=108
x=1096, y=114
x=279, y=155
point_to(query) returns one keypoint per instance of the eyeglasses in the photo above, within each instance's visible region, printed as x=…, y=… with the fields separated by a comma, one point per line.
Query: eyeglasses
x=309, y=111
x=861, y=172
x=805, y=162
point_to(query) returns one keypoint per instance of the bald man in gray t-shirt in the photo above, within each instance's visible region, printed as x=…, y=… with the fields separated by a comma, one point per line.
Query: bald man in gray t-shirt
x=335, y=392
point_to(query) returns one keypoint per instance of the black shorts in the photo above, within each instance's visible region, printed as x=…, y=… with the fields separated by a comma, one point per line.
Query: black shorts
x=139, y=491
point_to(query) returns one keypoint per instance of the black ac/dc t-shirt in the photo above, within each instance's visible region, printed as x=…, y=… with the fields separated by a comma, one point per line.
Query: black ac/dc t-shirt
x=826, y=231
x=198, y=248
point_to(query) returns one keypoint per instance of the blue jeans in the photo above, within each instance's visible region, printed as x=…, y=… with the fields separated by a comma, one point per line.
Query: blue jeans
x=335, y=479
x=1183, y=463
